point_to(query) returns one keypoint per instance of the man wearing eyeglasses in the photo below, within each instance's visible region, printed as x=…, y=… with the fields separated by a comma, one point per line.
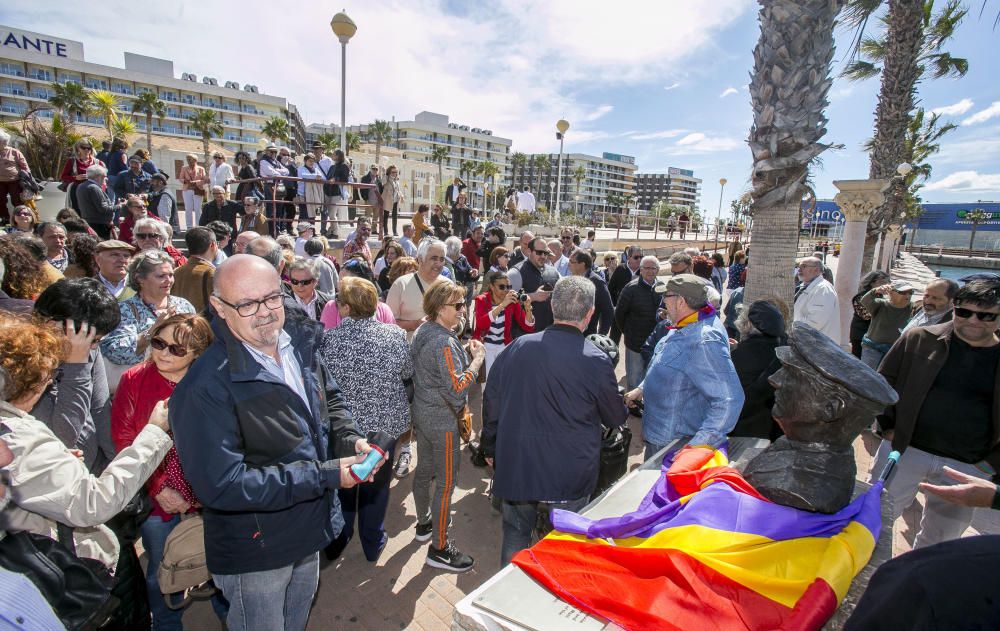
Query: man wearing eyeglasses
x=255, y=423
x=947, y=376
x=635, y=315
x=537, y=277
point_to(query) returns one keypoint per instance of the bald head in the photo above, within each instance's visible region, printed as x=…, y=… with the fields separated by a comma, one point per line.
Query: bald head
x=809, y=268
x=241, y=270
x=248, y=296
x=244, y=239
x=267, y=249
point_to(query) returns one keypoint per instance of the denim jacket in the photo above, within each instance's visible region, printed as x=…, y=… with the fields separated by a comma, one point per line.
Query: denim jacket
x=691, y=387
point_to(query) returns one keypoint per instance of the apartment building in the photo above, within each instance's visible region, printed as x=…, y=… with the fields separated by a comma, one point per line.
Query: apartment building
x=590, y=178
x=676, y=186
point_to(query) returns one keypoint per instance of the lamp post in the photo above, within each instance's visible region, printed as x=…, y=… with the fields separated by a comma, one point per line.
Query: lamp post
x=561, y=126
x=722, y=187
x=344, y=28
x=552, y=188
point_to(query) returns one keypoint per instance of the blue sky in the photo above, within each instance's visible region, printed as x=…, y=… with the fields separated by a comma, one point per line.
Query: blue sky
x=664, y=81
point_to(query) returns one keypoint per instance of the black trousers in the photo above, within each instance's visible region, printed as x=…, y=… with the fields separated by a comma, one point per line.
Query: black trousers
x=395, y=219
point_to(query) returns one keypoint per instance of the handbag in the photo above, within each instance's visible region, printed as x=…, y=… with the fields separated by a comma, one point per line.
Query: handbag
x=463, y=418
x=78, y=590
x=183, y=567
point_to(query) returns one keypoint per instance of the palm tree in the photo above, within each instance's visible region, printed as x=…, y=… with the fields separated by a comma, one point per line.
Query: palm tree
x=123, y=128
x=381, y=133
x=487, y=170
x=353, y=142
x=908, y=52
x=276, y=128
x=788, y=90
x=439, y=154
x=208, y=124
x=329, y=141
x=579, y=175
x=70, y=98
x=149, y=105
x=541, y=162
x=105, y=104
x=976, y=216
x=518, y=160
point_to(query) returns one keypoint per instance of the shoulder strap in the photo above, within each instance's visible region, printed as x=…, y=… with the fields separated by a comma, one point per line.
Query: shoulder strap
x=420, y=285
x=457, y=414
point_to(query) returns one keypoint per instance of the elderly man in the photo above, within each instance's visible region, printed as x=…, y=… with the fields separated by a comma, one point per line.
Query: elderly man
x=409, y=248
x=263, y=468
x=132, y=181
x=947, y=376
x=269, y=250
x=406, y=296
x=305, y=231
x=161, y=202
x=580, y=264
x=253, y=220
x=220, y=208
x=691, y=388
x=536, y=276
x=625, y=274
x=96, y=207
x=635, y=315
x=680, y=263
x=220, y=174
x=816, y=301
x=359, y=244
x=936, y=304
x=543, y=368
x=890, y=307
x=329, y=280
x=524, y=248
x=559, y=260
x=112, y=259
x=243, y=240
x=301, y=289
x=194, y=279
x=53, y=234
x=12, y=162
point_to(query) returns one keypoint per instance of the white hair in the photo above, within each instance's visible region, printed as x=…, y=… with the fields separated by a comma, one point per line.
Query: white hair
x=425, y=245
x=453, y=247
x=95, y=170
x=153, y=224
x=4, y=136
x=648, y=258
x=692, y=252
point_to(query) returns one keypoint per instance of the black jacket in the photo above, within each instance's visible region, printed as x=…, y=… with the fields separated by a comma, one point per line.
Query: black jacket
x=460, y=217
x=622, y=276
x=547, y=439
x=340, y=173
x=367, y=179
x=292, y=305
x=448, y=193
x=531, y=279
x=229, y=212
x=604, y=309
x=635, y=313
x=95, y=207
x=755, y=360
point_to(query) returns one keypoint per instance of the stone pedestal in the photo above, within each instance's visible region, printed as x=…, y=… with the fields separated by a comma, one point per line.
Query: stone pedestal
x=856, y=199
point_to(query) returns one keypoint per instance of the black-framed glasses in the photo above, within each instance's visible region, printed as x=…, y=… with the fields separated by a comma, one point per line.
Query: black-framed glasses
x=637, y=257
x=158, y=343
x=251, y=307
x=147, y=235
x=503, y=287
x=985, y=316
x=304, y=281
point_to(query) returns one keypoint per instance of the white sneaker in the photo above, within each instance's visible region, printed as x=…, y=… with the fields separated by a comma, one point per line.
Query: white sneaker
x=403, y=465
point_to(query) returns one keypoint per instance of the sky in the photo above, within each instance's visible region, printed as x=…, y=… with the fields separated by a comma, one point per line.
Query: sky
x=664, y=81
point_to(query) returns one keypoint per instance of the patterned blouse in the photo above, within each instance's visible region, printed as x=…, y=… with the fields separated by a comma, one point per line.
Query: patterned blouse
x=137, y=318
x=370, y=360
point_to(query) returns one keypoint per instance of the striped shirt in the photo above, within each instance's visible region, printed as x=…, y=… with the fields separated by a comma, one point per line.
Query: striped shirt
x=495, y=334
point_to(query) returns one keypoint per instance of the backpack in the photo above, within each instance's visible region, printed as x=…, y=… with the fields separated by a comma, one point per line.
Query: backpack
x=183, y=567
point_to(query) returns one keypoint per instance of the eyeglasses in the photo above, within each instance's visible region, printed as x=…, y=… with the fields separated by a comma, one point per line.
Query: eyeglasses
x=175, y=349
x=458, y=306
x=566, y=238
x=503, y=287
x=306, y=281
x=637, y=257
x=541, y=252
x=251, y=307
x=147, y=235
x=982, y=315
x=23, y=215
x=218, y=157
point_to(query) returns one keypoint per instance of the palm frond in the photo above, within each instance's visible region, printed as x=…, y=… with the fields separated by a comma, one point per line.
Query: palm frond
x=860, y=70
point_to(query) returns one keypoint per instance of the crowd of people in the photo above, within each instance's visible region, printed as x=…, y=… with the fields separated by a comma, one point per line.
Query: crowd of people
x=244, y=380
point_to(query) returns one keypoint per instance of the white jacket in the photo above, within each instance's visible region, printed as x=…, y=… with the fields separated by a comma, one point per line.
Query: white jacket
x=819, y=307
x=49, y=485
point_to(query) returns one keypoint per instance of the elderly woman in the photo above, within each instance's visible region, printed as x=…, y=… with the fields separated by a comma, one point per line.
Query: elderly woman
x=135, y=209
x=193, y=180
x=355, y=268
x=253, y=219
x=49, y=485
x=462, y=271
x=24, y=220
x=497, y=310
x=150, y=233
x=443, y=375
x=762, y=331
x=175, y=342
x=310, y=189
x=151, y=275
x=369, y=360
x=611, y=261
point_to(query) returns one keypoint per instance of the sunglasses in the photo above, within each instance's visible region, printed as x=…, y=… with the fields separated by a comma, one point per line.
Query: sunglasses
x=176, y=350
x=542, y=252
x=458, y=306
x=307, y=281
x=982, y=315
x=147, y=235
x=637, y=257
x=503, y=287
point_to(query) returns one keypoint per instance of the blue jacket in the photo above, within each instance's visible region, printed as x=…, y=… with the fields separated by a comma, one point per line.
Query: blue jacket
x=252, y=451
x=547, y=396
x=691, y=387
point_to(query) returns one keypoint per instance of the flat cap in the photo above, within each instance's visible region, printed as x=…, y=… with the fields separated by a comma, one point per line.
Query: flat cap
x=694, y=289
x=114, y=244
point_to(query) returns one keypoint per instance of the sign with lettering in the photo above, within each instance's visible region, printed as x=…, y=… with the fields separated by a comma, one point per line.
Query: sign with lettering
x=40, y=44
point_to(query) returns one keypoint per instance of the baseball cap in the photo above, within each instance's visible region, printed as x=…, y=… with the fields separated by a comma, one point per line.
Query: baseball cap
x=902, y=286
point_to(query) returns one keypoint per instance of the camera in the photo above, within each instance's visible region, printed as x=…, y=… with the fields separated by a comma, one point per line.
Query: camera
x=521, y=296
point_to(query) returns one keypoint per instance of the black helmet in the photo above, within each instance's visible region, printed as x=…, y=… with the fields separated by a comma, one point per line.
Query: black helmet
x=606, y=344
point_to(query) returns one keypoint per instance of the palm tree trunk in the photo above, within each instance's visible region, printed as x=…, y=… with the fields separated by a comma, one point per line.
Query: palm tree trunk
x=788, y=89
x=149, y=135
x=972, y=239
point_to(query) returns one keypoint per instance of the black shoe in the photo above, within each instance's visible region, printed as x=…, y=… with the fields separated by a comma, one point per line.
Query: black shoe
x=373, y=558
x=449, y=558
x=424, y=532
x=478, y=457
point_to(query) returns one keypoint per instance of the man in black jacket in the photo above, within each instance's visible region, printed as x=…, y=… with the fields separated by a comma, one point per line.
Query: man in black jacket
x=635, y=315
x=546, y=444
x=521, y=252
x=580, y=264
x=453, y=191
x=370, y=178
x=537, y=278
x=624, y=274
x=341, y=172
x=220, y=209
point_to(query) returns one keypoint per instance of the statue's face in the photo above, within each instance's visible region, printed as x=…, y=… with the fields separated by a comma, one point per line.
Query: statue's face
x=811, y=408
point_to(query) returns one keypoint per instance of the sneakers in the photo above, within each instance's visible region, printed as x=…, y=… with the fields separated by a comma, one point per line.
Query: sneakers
x=449, y=558
x=424, y=532
x=403, y=465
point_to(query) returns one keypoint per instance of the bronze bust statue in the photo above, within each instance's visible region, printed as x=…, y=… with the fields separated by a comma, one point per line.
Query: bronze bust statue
x=824, y=398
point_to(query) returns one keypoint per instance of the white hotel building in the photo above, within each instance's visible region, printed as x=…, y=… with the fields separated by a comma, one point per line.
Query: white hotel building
x=31, y=62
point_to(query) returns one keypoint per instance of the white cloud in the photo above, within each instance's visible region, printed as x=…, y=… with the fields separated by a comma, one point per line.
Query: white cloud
x=697, y=142
x=728, y=91
x=984, y=115
x=967, y=181
x=954, y=109
x=656, y=135
x=672, y=86
x=598, y=112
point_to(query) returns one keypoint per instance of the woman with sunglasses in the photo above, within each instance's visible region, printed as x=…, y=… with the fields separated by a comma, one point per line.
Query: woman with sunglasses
x=24, y=220
x=74, y=170
x=175, y=343
x=497, y=311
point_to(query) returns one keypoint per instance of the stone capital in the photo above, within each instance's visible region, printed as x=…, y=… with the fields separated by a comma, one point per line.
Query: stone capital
x=857, y=199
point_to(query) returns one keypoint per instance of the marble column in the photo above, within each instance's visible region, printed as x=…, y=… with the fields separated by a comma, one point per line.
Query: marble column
x=856, y=199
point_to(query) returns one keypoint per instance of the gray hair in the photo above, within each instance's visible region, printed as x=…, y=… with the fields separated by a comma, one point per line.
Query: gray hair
x=572, y=298
x=218, y=189
x=4, y=136
x=650, y=257
x=308, y=265
x=425, y=245
x=267, y=249
x=250, y=201
x=678, y=258
x=286, y=240
x=453, y=247
x=692, y=252
x=143, y=263
x=95, y=170
x=154, y=224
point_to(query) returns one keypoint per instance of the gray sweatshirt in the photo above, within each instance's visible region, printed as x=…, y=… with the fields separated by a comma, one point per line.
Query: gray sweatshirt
x=441, y=377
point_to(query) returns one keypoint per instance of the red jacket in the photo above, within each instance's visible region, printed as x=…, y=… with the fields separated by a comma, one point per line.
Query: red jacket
x=470, y=249
x=514, y=311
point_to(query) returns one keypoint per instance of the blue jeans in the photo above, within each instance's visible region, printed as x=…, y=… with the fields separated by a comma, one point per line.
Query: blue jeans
x=635, y=369
x=367, y=501
x=271, y=600
x=519, y=519
x=871, y=357
x=154, y=536
x=651, y=449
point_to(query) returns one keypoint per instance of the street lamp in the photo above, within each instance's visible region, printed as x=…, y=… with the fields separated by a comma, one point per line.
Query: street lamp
x=722, y=187
x=344, y=28
x=552, y=187
x=561, y=126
